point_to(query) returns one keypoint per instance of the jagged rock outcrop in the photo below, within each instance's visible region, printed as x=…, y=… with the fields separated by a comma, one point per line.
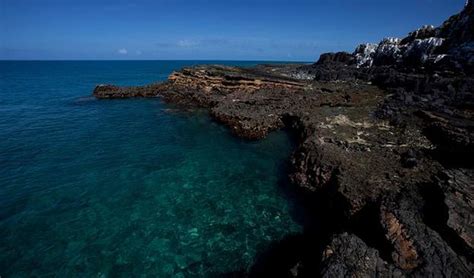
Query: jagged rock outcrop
x=459, y=29
x=406, y=52
x=385, y=138
x=449, y=47
x=364, y=54
x=345, y=152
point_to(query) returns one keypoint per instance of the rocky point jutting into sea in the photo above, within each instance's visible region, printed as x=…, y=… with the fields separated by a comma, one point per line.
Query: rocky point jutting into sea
x=385, y=155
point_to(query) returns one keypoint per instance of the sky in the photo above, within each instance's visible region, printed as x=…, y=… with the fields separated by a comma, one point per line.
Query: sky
x=281, y=30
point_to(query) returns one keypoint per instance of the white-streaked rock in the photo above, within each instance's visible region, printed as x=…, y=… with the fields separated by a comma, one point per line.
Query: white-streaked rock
x=364, y=54
x=423, y=50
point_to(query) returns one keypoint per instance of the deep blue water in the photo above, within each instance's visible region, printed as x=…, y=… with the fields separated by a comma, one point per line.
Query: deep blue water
x=94, y=188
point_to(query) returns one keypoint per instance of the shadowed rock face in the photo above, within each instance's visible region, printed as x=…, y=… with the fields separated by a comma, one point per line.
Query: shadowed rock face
x=387, y=147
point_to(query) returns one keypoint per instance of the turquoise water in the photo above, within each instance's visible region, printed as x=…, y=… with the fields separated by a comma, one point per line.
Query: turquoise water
x=126, y=188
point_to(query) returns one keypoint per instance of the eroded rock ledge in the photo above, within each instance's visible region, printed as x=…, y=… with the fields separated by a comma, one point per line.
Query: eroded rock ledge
x=352, y=156
x=386, y=151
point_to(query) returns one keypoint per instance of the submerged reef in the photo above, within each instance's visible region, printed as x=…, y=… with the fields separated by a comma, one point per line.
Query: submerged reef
x=385, y=155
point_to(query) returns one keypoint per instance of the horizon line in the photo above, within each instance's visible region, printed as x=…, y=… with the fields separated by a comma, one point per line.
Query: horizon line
x=150, y=60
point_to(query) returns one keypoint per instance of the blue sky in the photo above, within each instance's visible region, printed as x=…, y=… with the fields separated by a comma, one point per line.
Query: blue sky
x=206, y=29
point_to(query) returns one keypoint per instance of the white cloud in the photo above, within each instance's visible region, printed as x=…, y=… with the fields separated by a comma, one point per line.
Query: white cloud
x=122, y=51
x=187, y=43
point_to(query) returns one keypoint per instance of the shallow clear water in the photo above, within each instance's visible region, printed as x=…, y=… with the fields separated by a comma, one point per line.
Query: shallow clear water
x=126, y=188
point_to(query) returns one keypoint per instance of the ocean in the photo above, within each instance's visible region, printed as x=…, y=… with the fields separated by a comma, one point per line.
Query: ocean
x=128, y=188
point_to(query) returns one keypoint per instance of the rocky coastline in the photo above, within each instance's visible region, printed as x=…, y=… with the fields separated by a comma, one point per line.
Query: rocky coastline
x=385, y=154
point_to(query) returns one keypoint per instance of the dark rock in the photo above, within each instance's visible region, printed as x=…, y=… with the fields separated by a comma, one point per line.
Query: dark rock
x=425, y=32
x=455, y=190
x=449, y=47
x=385, y=142
x=111, y=91
x=348, y=256
x=339, y=57
x=409, y=159
x=453, y=136
x=419, y=249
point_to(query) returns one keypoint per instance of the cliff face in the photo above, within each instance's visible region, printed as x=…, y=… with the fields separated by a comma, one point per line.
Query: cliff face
x=429, y=78
x=383, y=165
